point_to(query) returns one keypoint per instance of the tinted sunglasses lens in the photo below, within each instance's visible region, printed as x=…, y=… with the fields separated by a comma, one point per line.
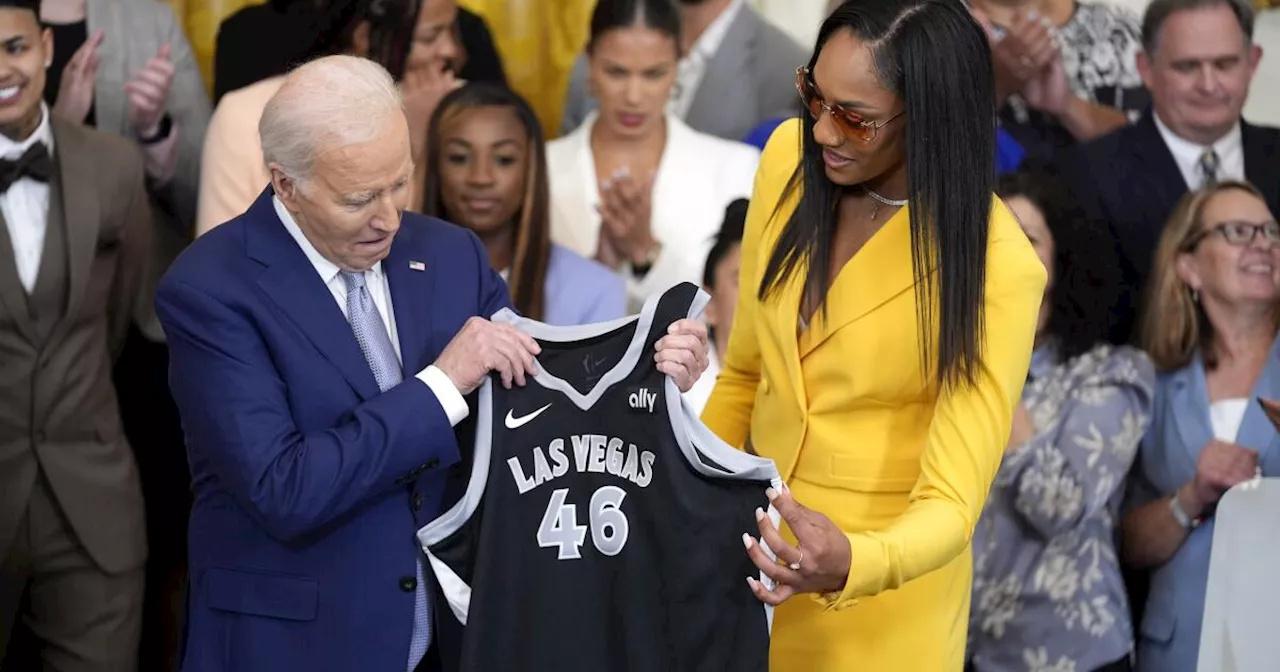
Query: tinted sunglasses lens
x=809, y=96
x=853, y=127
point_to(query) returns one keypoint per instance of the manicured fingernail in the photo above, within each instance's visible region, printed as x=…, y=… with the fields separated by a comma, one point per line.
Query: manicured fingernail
x=746, y=540
x=751, y=582
x=759, y=514
x=771, y=494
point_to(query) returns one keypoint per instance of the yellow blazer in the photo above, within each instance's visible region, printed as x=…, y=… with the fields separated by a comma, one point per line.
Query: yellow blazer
x=861, y=433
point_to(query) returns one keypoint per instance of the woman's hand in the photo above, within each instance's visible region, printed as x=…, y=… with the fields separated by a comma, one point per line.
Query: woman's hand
x=422, y=91
x=625, y=216
x=75, y=91
x=818, y=563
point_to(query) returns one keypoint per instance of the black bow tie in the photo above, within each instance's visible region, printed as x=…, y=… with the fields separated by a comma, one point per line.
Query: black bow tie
x=34, y=163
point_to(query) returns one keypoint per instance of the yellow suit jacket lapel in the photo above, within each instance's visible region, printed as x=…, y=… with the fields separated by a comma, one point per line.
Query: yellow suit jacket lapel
x=877, y=273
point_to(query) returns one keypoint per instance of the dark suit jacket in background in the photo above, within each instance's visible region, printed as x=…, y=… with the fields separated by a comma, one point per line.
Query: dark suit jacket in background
x=261, y=41
x=1129, y=181
x=58, y=411
x=751, y=78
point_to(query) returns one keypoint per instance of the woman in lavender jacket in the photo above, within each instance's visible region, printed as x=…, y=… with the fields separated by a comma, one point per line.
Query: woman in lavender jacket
x=1047, y=592
x=487, y=171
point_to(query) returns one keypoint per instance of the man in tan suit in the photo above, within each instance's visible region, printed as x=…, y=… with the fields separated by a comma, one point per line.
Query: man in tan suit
x=73, y=262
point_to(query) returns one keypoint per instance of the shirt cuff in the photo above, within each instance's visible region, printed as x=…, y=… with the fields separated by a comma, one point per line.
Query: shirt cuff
x=455, y=407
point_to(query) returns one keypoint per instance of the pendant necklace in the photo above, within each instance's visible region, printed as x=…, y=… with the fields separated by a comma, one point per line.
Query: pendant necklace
x=875, y=207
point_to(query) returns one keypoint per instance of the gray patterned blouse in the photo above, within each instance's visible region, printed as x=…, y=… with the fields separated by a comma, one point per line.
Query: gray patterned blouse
x=1047, y=590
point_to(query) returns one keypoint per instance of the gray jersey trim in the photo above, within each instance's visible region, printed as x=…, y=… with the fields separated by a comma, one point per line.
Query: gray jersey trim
x=456, y=591
x=684, y=424
x=624, y=367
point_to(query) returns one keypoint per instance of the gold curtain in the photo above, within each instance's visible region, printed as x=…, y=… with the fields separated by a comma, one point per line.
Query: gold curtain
x=201, y=18
x=538, y=40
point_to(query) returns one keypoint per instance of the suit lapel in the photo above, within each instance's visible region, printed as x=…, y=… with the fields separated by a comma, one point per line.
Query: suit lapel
x=728, y=69
x=410, y=278
x=877, y=273
x=1190, y=396
x=1262, y=161
x=1163, y=177
x=1256, y=431
x=12, y=296
x=80, y=207
x=292, y=283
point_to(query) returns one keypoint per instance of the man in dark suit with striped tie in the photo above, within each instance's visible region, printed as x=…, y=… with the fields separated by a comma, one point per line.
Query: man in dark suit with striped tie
x=1198, y=63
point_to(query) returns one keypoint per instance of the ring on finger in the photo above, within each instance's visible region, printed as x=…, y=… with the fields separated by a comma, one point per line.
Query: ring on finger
x=796, y=565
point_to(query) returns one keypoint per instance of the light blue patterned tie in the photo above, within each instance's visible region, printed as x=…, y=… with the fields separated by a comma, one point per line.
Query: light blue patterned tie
x=375, y=343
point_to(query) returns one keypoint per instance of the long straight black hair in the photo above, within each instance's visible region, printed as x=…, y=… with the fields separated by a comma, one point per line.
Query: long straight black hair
x=531, y=247
x=935, y=57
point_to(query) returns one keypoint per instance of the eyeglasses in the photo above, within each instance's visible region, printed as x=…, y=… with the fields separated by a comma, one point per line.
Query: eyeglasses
x=1238, y=233
x=850, y=123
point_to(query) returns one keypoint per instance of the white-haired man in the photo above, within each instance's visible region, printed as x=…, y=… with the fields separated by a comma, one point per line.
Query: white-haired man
x=321, y=345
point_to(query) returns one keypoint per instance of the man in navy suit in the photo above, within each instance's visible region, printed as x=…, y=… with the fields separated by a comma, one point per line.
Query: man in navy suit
x=1198, y=61
x=321, y=347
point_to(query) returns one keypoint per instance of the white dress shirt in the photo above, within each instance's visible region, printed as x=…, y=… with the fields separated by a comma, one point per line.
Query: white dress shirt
x=455, y=407
x=694, y=65
x=1229, y=148
x=26, y=206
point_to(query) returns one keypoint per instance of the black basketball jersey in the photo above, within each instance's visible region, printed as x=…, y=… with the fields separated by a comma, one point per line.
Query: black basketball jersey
x=602, y=523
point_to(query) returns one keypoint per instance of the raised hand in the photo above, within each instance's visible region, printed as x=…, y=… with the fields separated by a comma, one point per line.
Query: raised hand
x=75, y=90
x=625, y=207
x=423, y=89
x=148, y=93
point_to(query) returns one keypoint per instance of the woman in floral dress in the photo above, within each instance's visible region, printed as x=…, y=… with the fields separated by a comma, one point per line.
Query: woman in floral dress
x=1048, y=595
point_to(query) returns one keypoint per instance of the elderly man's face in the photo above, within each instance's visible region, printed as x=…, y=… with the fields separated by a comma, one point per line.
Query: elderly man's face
x=350, y=206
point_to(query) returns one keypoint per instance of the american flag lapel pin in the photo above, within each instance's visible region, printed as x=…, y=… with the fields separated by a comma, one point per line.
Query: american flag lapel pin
x=417, y=266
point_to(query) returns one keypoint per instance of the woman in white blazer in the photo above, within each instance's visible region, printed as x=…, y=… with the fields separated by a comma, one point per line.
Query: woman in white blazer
x=634, y=187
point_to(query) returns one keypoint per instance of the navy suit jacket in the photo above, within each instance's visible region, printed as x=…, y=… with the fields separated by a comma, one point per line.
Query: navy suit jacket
x=309, y=483
x=1129, y=181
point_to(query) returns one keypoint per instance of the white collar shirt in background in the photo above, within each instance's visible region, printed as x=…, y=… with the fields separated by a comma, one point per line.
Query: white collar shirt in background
x=693, y=66
x=1229, y=148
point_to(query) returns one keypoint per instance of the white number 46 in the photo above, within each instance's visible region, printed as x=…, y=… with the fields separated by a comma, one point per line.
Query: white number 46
x=560, y=529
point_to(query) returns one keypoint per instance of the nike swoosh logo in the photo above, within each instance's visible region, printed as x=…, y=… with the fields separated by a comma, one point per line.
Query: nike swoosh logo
x=513, y=422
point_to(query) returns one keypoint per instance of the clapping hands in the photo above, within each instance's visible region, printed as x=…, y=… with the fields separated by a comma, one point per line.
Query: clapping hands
x=148, y=93
x=625, y=208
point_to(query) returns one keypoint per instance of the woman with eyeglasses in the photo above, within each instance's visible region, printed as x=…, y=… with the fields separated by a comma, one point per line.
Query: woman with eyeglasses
x=1210, y=324
x=887, y=309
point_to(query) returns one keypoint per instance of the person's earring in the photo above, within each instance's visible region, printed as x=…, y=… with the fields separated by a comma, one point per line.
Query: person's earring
x=1195, y=295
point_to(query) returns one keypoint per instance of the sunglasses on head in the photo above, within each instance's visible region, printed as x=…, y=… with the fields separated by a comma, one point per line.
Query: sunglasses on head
x=850, y=123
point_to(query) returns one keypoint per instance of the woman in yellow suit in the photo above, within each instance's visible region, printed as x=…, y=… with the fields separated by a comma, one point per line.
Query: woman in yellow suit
x=887, y=420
